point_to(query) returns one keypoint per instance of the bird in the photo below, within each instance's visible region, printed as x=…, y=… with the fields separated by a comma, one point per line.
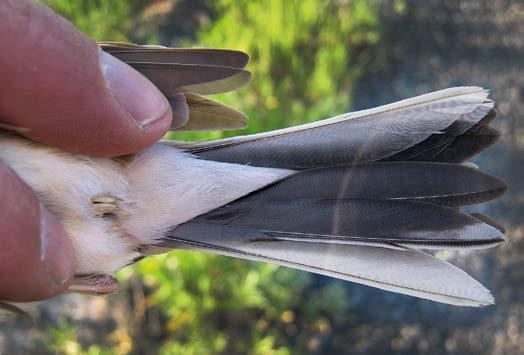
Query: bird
x=365, y=196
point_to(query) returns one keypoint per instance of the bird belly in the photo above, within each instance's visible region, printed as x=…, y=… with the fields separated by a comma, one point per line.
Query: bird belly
x=112, y=209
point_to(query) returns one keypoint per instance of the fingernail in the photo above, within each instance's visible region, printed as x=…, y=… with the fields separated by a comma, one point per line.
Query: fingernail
x=55, y=248
x=135, y=94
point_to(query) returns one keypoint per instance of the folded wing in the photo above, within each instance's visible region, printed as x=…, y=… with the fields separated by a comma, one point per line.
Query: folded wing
x=183, y=74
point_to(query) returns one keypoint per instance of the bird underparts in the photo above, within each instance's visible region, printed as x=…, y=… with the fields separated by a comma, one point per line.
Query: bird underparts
x=356, y=197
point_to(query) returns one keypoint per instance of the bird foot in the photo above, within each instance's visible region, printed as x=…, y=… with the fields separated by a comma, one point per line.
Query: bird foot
x=97, y=284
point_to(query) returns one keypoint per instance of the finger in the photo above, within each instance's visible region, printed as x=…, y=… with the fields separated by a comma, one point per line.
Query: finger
x=59, y=88
x=36, y=256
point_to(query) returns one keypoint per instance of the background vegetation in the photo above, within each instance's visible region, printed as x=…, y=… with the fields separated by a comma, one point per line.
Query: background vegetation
x=310, y=59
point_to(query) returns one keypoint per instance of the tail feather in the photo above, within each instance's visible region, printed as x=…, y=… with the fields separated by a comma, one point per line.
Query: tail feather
x=451, y=185
x=408, y=272
x=466, y=146
x=346, y=221
x=451, y=145
x=389, y=204
x=364, y=136
x=367, y=190
x=489, y=221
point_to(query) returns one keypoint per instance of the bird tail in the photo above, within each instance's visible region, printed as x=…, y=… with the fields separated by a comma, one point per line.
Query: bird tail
x=371, y=189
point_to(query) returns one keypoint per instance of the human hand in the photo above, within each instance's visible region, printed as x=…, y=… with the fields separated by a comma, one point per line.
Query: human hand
x=58, y=88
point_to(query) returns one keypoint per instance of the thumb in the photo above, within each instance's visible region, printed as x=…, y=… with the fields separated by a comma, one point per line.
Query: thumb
x=59, y=88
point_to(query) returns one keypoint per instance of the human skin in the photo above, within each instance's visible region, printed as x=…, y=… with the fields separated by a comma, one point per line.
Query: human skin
x=58, y=88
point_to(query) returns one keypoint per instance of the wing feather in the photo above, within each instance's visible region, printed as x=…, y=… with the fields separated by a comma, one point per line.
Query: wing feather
x=184, y=73
x=205, y=56
x=172, y=78
x=206, y=114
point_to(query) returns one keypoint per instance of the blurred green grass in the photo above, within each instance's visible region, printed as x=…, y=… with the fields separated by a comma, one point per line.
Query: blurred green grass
x=305, y=57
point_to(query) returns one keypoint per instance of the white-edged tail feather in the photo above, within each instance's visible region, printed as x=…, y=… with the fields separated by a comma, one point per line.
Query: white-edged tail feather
x=408, y=272
x=362, y=136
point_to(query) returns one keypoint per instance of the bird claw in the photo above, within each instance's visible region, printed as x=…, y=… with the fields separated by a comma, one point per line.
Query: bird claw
x=12, y=308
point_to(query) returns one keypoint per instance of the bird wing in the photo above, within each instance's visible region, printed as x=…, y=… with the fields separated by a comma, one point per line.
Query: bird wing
x=128, y=52
x=183, y=74
x=206, y=114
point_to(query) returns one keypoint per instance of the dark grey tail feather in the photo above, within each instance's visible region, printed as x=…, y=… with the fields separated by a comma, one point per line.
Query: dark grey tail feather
x=446, y=184
x=426, y=126
x=452, y=145
x=488, y=220
x=466, y=146
x=345, y=221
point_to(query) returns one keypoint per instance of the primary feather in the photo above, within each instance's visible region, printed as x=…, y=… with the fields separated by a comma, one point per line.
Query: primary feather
x=158, y=54
x=183, y=74
x=207, y=114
